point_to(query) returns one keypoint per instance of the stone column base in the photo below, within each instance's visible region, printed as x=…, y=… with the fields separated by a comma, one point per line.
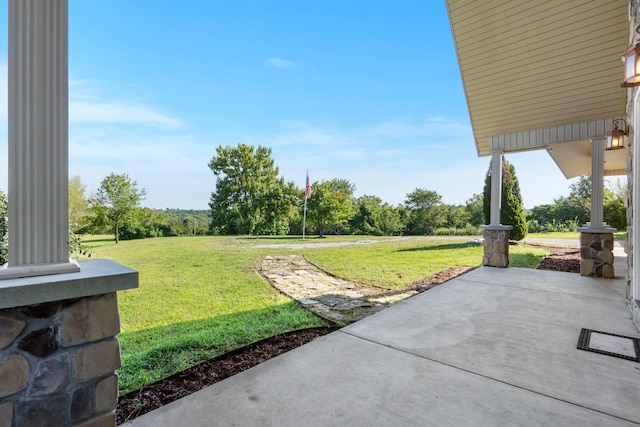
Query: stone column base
x=496, y=245
x=59, y=348
x=596, y=253
x=58, y=362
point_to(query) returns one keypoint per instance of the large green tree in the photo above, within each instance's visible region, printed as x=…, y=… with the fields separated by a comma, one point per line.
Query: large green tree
x=575, y=209
x=512, y=210
x=330, y=205
x=577, y=205
x=78, y=204
x=615, y=210
x=249, y=197
x=373, y=217
x=425, y=212
x=471, y=213
x=367, y=216
x=116, y=204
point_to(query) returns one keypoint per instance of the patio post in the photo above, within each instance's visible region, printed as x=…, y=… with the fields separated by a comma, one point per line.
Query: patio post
x=596, y=237
x=495, y=235
x=38, y=140
x=496, y=188
x=597, y=183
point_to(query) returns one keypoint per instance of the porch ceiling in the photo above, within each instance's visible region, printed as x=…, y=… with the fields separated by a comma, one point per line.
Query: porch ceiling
x=529, y=66
x=574, y=159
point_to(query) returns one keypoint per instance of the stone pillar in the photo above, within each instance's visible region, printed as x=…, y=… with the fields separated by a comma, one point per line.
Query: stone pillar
x=496, y=235
x=496, y=245
x=58, y=347
x=38, y=139
x=596, y=254
x=596, y=237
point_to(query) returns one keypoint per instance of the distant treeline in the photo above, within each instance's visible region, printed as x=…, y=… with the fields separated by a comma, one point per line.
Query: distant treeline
x=149, y=222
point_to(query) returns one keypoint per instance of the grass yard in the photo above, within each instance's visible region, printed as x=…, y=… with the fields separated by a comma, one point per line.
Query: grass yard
x=202, y=296
x=573, y=235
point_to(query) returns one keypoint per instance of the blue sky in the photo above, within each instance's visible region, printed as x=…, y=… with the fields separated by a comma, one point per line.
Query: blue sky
x=361, y=90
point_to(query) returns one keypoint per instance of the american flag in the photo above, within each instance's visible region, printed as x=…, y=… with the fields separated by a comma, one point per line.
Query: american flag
x=307, y=192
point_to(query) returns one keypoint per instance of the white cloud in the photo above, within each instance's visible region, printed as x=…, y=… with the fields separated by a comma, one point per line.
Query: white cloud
x=111, y=135
x=388, y=159
x=171, y=167
x=391, y=158
x=87, y=105
x=118, y=112
x=279, y=63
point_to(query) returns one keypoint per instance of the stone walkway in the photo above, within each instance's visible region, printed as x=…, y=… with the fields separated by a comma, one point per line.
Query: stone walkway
x=331, y=298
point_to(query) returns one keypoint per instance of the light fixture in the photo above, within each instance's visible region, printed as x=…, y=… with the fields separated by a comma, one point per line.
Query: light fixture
x=631, y=59
x=616, y=139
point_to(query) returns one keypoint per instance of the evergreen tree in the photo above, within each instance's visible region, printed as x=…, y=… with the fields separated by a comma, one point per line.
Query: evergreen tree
x=511, y=211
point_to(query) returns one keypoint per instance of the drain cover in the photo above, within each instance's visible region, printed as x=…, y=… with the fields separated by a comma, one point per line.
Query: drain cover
x=610, y=344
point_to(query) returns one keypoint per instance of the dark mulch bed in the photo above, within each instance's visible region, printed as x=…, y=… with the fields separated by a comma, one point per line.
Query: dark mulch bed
x=561, y=259
x=153, y=396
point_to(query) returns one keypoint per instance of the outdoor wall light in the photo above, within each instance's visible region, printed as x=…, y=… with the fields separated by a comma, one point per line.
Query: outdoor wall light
x=616, y=139
x=631, y=59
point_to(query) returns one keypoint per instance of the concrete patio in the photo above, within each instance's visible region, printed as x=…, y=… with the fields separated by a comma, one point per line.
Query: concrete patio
x=491, y=347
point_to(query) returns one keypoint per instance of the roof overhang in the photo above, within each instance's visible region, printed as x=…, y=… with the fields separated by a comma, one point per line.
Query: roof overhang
x=534, y=66
x=569, y=145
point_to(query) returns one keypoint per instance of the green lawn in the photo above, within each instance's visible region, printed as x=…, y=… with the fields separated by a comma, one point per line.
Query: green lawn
x=573, y=235
x=202, y=296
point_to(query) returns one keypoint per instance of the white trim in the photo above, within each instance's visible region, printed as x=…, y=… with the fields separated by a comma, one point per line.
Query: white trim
x=15, y=272
x=635, y=221
x=541, y=138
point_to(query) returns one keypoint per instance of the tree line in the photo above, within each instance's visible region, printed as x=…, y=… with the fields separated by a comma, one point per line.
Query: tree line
x=251, y=198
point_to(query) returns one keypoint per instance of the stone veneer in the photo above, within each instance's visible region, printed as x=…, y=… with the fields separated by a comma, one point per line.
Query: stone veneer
x=58, y=346
x=596, y=254
x=496, y=246
x=58, y=362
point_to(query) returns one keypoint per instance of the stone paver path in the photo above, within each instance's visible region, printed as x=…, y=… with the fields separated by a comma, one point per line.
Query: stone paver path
x=329, y=297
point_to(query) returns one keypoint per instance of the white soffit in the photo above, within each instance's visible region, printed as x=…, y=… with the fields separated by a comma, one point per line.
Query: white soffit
x=534, y=65
x=574, y=159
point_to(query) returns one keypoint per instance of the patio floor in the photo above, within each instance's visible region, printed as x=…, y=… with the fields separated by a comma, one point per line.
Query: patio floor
x=492, y=347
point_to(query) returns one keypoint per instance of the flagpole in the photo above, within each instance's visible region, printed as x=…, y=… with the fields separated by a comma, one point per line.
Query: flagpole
x=304, y=216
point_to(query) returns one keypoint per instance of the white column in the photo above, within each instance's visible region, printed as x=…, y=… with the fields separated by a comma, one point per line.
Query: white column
x=38, y=139
x=496, y=187
x=634, y=292
x=597, y=183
